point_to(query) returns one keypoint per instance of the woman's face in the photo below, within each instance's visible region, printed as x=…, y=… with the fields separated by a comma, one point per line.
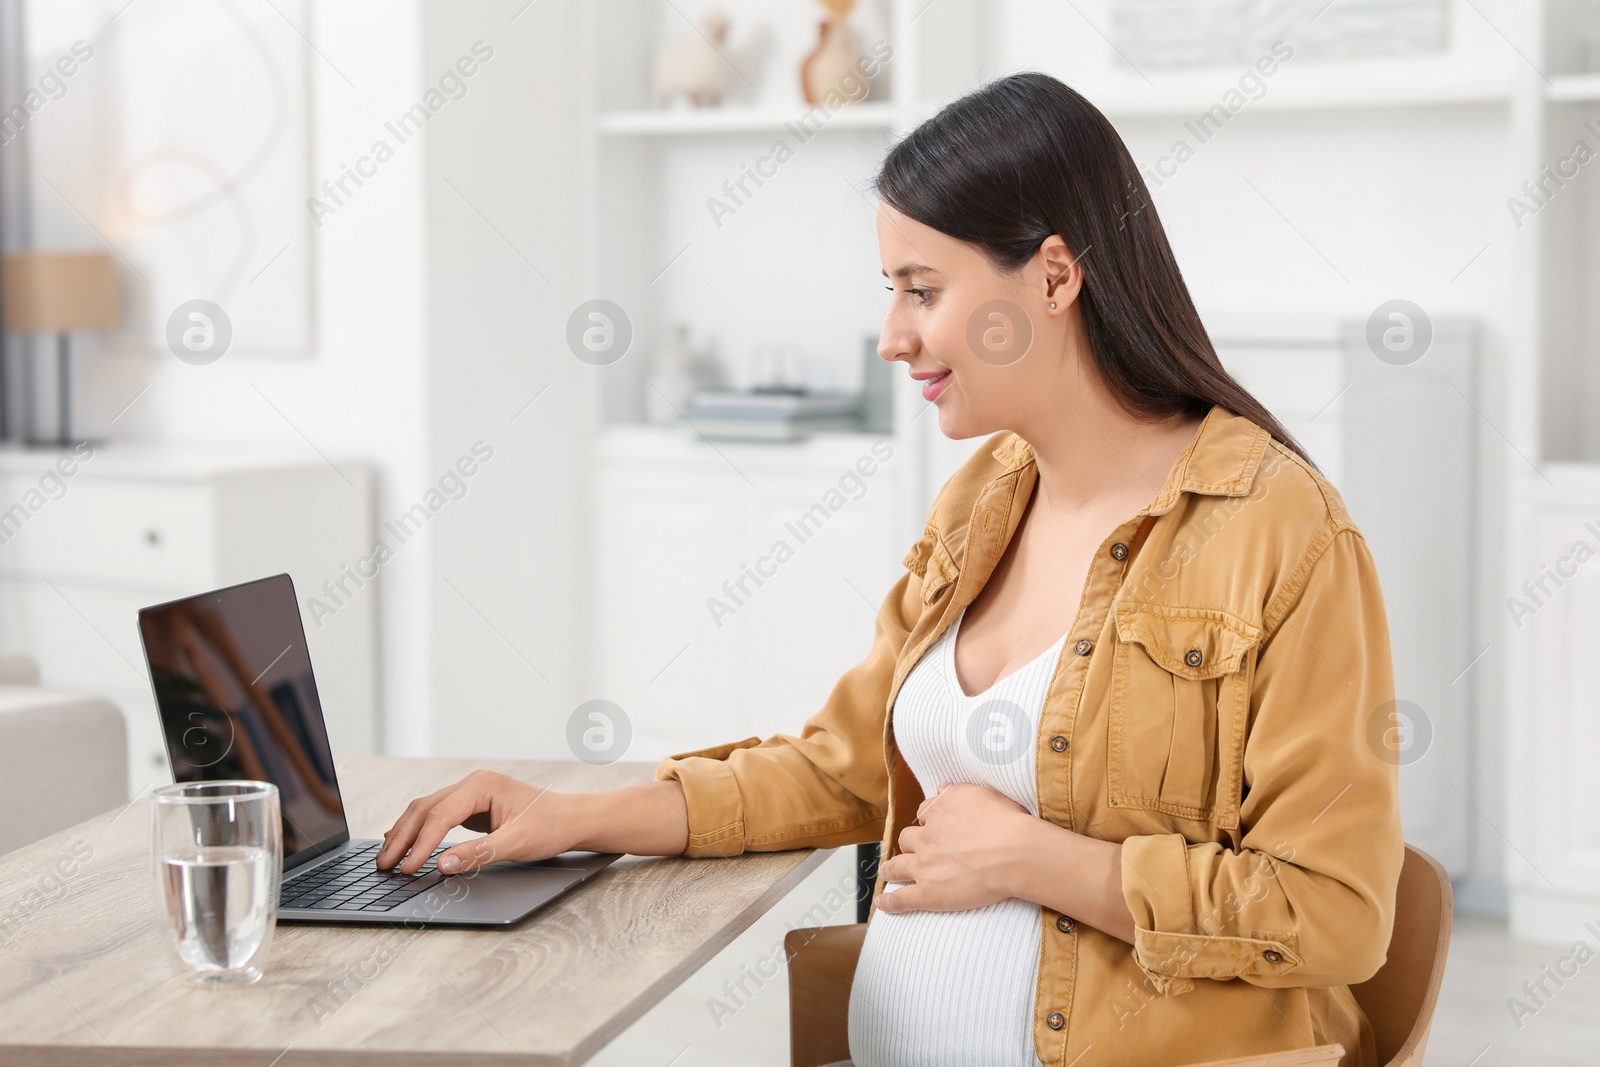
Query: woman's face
x=987, y=348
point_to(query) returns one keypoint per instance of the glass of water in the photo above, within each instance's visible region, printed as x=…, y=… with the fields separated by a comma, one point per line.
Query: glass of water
x=218, y=851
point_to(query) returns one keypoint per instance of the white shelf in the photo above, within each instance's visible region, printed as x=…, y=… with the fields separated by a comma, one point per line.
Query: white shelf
x=1187, y=96
x=1567, y=88
x=650, y=123
x=1330, y=90
x=132, y=459
x=679, y=447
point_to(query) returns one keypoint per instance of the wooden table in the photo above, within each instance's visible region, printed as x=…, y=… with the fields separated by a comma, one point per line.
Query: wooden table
x=87, y=977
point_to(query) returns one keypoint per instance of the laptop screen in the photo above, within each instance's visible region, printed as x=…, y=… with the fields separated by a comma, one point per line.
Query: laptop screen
x=233, y=683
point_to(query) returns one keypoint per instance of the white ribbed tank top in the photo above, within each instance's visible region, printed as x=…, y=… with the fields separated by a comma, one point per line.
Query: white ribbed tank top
x=956, y=988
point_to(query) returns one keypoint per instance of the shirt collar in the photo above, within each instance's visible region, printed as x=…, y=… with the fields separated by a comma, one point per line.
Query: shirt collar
x=1221, y=460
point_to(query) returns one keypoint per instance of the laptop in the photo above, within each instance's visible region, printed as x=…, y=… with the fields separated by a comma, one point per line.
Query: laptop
x=233, y=685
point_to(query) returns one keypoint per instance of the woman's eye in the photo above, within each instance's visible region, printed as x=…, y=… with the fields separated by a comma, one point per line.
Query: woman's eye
x=922, y=295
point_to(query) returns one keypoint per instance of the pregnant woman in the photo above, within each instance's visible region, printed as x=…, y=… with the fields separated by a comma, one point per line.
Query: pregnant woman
x=1113, y=728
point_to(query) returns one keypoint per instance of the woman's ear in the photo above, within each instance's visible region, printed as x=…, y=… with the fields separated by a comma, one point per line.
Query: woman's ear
x=1063, y=277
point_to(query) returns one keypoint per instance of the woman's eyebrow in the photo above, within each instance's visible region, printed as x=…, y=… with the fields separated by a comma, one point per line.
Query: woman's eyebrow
x=911, y=268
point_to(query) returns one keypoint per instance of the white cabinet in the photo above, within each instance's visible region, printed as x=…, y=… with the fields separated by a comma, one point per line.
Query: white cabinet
x=1553, y=718
x=736, y=582
x=88, y=538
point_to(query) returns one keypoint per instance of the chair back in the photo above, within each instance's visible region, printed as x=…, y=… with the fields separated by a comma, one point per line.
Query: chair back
x=1399, y=999
x=822, y=963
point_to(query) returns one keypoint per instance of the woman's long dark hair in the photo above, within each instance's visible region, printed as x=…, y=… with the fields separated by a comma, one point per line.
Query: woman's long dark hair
x=1025, y=157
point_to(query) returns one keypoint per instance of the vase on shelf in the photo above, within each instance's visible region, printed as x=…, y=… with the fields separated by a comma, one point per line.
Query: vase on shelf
x=833, y=67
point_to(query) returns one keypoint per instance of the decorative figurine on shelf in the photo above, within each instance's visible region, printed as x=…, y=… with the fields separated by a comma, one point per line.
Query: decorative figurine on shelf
x=693, y=66
x=835, y=64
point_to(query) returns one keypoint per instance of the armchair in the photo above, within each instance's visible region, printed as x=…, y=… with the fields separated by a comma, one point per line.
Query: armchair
x=63, y=756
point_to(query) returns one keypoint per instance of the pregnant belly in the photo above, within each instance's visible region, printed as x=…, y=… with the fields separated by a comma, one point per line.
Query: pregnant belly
x=947, y=988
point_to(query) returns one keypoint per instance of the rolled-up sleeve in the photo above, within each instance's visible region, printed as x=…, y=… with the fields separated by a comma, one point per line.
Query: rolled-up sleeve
x=1308, y=898
x=826, y=787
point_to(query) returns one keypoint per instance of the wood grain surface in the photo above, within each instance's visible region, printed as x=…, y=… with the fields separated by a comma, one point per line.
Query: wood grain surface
x=87, y=975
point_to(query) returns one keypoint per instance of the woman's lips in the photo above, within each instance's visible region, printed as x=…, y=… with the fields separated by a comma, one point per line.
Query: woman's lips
x=932, y=387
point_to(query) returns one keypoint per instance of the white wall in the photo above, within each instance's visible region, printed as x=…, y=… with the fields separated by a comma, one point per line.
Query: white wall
x=503, y=217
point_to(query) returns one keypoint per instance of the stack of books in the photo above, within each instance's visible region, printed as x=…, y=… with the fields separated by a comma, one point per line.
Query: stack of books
x=771, y=413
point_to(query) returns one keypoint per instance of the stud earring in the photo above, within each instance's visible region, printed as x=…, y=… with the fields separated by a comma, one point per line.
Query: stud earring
x=1052, y=304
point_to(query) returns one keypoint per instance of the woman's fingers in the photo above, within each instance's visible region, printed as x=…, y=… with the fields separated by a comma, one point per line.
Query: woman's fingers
x=478, y=803
x=909, y=897
x=471, y=855
x=898, y=869
x=929, y=802
x=469, y=798
x=937, y=793
x=399, y=836
x=515, y=837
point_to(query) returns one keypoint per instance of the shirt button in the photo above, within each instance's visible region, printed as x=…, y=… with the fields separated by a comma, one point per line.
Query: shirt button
x=1058, y=743
x=1119, y=551
x=1055, y=1020
x=1193, y=657
x=1272, y=955
x=1065, y=925
x=1082, y=647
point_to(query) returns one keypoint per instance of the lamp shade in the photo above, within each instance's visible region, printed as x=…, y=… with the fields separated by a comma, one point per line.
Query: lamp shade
x=58, y=292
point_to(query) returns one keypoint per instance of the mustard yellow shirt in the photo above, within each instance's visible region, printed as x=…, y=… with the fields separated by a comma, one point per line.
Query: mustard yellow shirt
x=1218, y=709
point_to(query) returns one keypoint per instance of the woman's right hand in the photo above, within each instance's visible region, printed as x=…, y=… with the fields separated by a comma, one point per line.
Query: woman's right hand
x=523, y=822
x=527, y=822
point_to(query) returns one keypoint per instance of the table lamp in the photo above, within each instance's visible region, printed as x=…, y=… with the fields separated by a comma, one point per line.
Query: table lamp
x=58, y=292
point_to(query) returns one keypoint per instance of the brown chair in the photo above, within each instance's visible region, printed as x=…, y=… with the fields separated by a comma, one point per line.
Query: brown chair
x=1399, y=999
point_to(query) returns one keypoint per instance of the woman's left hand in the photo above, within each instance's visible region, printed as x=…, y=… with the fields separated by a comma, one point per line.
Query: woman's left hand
x=961, y=854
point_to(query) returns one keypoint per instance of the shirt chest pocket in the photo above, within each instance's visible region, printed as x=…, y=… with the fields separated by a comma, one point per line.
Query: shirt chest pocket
x=1180, y=704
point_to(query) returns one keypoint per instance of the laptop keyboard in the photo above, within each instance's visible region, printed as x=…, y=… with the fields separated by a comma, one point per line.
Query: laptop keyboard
x=352, y=883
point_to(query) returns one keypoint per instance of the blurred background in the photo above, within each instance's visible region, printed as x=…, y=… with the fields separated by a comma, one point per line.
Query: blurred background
x=536, y=339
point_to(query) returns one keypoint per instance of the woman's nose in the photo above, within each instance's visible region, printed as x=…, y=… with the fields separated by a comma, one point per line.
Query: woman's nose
x=894, y=343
